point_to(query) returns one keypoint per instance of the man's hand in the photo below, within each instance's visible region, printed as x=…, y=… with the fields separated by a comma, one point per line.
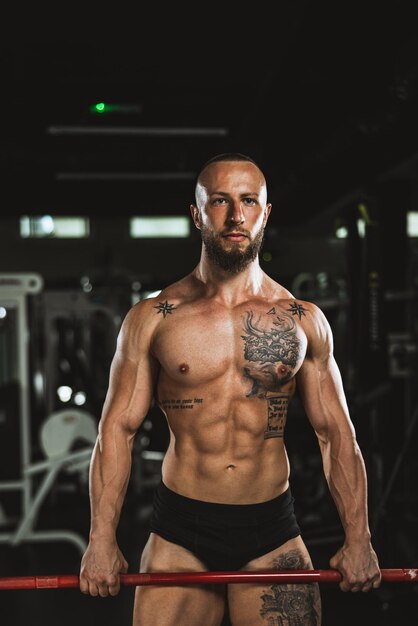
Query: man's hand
x=358, y=564
x=100, y=568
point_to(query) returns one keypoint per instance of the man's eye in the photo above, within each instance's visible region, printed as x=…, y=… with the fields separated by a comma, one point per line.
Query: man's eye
x=218, y=200
x=250, y=201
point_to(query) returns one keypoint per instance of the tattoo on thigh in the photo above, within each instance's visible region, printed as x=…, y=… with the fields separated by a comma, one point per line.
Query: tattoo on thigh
x=291, y=605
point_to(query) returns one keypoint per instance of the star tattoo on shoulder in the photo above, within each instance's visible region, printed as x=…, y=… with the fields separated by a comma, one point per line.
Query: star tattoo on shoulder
x=297, y=309
x=165, y=308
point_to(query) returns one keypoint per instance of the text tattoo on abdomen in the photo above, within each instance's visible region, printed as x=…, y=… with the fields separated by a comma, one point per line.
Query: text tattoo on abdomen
x=276, y=419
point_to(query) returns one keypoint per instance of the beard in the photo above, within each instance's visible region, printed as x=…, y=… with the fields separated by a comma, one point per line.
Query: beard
x=234, y=260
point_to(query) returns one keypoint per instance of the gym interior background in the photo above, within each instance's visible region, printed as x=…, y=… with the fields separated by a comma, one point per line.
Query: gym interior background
x=101, y=145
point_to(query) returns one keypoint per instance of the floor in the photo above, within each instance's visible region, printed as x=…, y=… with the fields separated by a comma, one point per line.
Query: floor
x=393, y=604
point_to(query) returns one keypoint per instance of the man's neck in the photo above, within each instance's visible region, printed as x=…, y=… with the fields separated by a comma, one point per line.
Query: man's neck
x=226, y=286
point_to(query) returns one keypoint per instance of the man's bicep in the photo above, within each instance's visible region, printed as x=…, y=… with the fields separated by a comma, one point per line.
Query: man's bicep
x=132, y=378
x=322, y=394
x=131, y=386
x=309, y=388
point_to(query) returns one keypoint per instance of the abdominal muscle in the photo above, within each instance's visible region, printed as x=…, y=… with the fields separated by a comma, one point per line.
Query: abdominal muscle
x=221, y=459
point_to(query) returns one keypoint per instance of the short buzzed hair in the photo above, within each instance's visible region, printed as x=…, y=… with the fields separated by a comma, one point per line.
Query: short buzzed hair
x=227, y=156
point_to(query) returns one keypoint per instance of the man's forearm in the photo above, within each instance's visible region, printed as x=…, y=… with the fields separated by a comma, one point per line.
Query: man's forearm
x=109, y=478
x=347, y=480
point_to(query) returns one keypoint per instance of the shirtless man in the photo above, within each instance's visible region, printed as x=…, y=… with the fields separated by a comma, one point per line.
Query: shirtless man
x=222, y=351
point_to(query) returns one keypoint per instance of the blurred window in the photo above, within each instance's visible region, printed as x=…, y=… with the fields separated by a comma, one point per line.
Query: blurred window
x=159, y=227
x=58, y=227
x=412, y=223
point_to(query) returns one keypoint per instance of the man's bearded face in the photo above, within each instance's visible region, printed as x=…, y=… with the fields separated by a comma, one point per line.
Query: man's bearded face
x=231, y=257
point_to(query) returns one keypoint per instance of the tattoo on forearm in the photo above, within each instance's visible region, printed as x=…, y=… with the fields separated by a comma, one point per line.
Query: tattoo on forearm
x=293, y=605
x=165, y=308
x=275, y=352
x=185, y=403
x=277, y=412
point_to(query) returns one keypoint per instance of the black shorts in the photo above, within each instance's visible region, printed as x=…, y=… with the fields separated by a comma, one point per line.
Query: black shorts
x=224, y=536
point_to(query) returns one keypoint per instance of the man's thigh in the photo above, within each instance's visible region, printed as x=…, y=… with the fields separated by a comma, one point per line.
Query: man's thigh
x=265, y=604
x=174, y=606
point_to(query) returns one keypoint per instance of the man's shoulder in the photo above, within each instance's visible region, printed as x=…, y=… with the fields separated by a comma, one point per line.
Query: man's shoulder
x=175, y=293
x=312, y=320
x=161, y=302
x=309, y=315
x=300, y=308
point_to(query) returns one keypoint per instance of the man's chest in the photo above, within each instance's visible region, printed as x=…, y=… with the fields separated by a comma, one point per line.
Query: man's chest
x=263, y=345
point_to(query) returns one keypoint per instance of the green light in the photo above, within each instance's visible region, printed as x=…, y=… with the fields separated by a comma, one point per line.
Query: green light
x=101, y=107
x=267, y=256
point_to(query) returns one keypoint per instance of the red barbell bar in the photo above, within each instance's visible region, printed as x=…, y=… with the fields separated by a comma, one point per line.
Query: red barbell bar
x=203, y=578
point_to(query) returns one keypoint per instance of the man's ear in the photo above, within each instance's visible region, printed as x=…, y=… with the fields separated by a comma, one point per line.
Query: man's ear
x=195, y=215
x=267, y=213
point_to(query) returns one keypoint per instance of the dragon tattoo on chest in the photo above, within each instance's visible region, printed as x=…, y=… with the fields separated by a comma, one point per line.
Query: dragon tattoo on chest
x=272, y=356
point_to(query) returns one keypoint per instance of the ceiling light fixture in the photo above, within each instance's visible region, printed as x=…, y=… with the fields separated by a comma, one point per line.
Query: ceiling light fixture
x=150, y=131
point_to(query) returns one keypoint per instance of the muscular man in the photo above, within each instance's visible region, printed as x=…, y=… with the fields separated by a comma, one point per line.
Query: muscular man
x=222, y=351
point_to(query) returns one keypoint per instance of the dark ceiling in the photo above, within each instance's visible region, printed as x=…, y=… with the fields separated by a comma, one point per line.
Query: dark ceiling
x=323, y=95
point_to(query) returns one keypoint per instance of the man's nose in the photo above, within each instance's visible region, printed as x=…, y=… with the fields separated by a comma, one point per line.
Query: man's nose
x=236, y=215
